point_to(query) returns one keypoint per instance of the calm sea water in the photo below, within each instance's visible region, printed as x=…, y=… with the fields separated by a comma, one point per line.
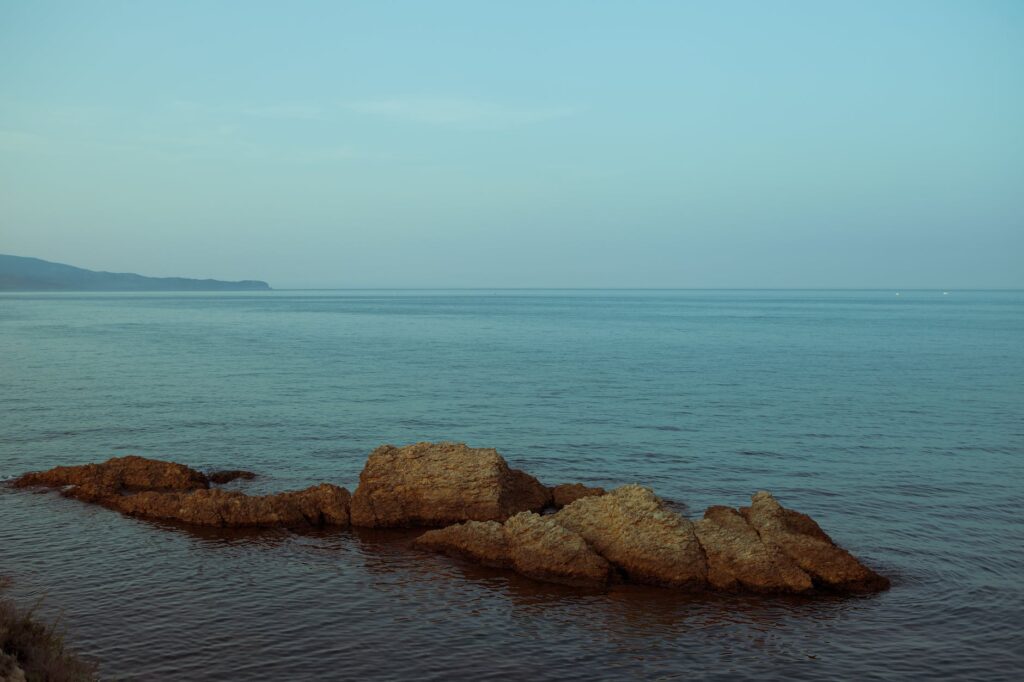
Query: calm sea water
x=897, y=422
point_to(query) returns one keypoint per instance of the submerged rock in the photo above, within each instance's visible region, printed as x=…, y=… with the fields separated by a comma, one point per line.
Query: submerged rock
x=632, y=528
x=802, y=540
x=567, y=493
x=437, y=484
x=228, y=475
x=119, y=473
x=739, y=560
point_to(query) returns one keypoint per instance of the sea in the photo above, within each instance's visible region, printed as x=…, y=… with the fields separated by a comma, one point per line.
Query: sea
x=894, y=418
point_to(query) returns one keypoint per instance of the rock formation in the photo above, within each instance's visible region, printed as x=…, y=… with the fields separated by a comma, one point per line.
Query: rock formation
x=430, y=484
x=628, y=529
x=739, y=560
x=800, y=538
x=543, y=549
x=323, y=504
x=632, y=528
x=480, y=541
x=487, y=513
x=764, y=548
x=155, y=489
x=567, y=493
x=533, y=545
x=120, y=473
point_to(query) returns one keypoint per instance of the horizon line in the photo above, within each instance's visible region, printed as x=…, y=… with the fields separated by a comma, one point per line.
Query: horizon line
x=477, y=288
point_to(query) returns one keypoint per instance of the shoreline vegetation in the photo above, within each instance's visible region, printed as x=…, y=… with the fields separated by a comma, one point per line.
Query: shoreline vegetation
x=33, y=651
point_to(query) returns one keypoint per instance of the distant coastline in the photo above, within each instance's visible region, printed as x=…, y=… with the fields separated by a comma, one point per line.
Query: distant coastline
x=18, y=273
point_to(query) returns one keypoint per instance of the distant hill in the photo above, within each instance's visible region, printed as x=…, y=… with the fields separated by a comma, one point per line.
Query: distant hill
x=33, y=274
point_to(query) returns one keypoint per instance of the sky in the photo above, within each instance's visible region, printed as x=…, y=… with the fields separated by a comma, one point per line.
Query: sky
x=520, y=144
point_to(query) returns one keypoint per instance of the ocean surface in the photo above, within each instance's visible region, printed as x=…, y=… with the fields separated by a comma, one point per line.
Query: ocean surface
x=895, y=421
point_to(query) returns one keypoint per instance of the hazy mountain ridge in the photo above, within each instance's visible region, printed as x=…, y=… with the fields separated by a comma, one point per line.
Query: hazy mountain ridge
x=18, y=273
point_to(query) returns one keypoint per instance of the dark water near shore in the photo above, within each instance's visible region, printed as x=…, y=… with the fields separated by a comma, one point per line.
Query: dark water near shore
x=897, y=422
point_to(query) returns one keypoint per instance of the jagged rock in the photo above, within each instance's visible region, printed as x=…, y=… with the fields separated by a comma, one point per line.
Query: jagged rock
x=632, y=529
x=567, y=493
x=222, y=477
x=482, y=541
x=430, y=484
x=739, y=560
x=119, y=473
x=543, y=549
x=323, y=504
x=800, y=538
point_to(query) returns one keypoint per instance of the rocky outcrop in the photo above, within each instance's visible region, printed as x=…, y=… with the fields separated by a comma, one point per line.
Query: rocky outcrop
x=632, y=528
x=739, y=560
x=437, y=484
x=802, y=540
x=323, y=504
x=480, y=541
x=630, y=531
x=567, y=493
x=154, y=489
x=487, y=513
x=228, y=475
x=119, y=473
x=533, y=545
x=541, y=548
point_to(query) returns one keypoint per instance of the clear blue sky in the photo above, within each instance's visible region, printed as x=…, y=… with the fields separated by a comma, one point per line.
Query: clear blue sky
x=586, y=144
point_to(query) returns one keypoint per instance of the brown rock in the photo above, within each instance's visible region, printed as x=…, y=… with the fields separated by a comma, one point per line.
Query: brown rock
x=323, y=504
x=738, y=559
x=528, y=494
x=482, y=541
x=533, y=545
x=430, y=484
x=155, y=489
x=800, y=538
x=222, y=477
x=120, y=473
x=632, y=528
x=567, y=493
x=542, y=549
x=761, y=548
x=95, y=493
